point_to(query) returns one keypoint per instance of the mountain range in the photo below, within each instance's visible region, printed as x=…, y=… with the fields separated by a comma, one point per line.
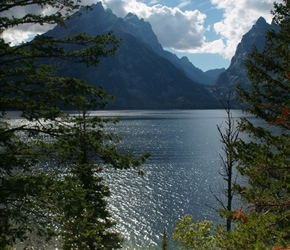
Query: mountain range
x=142, y=75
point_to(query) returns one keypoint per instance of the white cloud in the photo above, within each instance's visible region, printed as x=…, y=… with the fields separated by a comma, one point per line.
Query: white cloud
x=238, y=18
x=214, y=47
x=183, y=3
x=152, y=2
x=25, y=32
x=177, y=29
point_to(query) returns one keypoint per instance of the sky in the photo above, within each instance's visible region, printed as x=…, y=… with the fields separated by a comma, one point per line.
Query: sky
x=206, y=31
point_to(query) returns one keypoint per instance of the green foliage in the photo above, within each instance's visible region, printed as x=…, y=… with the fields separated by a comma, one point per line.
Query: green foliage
x=194, y=235
x=51, y=163
x=269, y=73
x=87, y=150
x=85, y=219
x=264, y=161
x=258, y=233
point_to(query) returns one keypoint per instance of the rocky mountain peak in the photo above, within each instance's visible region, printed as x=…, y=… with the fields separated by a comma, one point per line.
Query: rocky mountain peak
x=237, y=72
x=142, y=30
x=130, y=17
x=254, y=37
x=261, y=22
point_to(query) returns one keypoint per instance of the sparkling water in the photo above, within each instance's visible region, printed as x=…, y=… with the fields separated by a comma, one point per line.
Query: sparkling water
x=184, y=166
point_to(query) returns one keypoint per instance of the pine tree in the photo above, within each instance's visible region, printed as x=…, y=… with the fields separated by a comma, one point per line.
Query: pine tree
x=265, y=159
x=34, y=199
x=86, y=149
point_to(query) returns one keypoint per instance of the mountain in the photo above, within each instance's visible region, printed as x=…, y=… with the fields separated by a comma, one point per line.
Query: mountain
x=143, y=31
x=237, y=73
x=141, y=75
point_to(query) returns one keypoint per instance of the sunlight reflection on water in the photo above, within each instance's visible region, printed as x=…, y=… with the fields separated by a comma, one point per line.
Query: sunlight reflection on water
x=184, y=164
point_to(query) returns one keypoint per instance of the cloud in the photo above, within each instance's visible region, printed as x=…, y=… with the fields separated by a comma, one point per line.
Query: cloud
x=152, y=2
x=25, y=32
x=177, y=29
x=214, y=47
x=183, y=3
x=238, y=18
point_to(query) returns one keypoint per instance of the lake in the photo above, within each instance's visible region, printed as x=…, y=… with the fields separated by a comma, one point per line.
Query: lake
x=184, y=166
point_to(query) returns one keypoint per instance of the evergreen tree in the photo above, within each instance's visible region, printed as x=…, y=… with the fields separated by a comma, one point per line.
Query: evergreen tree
x=265, y=159
x=35, y=200
x=87, y=150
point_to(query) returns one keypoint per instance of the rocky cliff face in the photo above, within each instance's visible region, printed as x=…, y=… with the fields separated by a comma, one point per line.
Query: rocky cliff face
x=139, y=76
x=237, y=73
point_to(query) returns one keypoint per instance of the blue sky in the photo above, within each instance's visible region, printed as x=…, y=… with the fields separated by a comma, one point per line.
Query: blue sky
x=207, y=32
